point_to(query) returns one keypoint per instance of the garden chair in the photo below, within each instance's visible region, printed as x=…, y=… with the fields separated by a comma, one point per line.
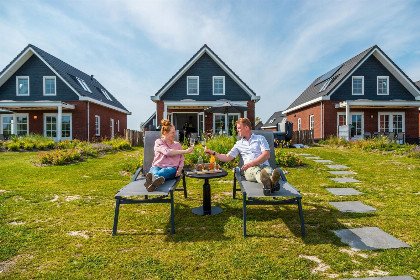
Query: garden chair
x=401, y=137
x=252, y=192
x=136, y=187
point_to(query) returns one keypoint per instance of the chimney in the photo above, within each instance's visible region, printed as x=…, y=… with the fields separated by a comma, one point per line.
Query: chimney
x=91, y=77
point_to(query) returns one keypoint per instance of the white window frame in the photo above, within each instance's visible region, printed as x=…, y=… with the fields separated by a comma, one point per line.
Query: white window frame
x=363, y=85
x=219, y=77
x=56, y=116
x=98, y=125
x=14, y=122
x=351, y=114
x=391, y=120
x=17, y=85
x=311, y=122
x=198, y=85
x=55, y=85
x=226, y=131
x=387, y=85
x=299, y=124
x=104, y=92
x=83, y=84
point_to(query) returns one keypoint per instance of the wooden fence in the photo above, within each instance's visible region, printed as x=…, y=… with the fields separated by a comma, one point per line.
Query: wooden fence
x=134, y=137
x=305, y=137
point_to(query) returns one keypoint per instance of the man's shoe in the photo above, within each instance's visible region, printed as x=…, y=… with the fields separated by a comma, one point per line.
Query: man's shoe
x=149, y=180
x=266, y=181
x=275, y=177
x=156, y=184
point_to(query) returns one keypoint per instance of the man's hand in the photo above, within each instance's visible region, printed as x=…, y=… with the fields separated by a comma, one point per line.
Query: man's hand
x=209, y=152
x=246, y=166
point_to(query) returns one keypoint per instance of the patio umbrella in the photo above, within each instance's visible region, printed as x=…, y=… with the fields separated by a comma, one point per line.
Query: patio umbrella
x=227, y=108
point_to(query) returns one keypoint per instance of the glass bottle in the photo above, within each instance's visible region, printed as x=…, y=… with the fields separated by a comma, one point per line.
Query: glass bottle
x=200, y=163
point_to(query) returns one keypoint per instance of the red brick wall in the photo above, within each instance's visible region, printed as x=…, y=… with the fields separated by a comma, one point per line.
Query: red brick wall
x=304, y=114
x=160, y=107
x=106, y=115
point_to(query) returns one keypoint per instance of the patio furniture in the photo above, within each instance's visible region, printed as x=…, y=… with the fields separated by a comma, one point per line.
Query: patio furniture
x=207, y=209
x=252, y=192
x=391, y=136
x=401, y=137
x=367, y=135
x=136, y=188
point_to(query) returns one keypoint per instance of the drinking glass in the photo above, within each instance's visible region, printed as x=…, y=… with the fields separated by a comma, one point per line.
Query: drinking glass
x=192, y=142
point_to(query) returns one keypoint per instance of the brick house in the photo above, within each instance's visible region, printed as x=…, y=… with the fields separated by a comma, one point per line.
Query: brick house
x=365, y=95
x=203, y=82
x=274, y=120
x=50, y=97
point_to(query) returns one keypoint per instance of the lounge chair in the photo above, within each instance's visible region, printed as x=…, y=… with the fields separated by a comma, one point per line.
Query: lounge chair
x=252, y=192
x=136, y=187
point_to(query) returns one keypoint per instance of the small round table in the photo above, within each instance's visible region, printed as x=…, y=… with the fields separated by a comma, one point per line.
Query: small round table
x=207, y=209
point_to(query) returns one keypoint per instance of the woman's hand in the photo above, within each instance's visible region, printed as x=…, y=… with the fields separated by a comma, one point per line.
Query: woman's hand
x=178, y=172
x=189, y=150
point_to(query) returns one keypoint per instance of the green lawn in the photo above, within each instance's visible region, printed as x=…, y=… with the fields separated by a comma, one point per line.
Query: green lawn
x=56, y=223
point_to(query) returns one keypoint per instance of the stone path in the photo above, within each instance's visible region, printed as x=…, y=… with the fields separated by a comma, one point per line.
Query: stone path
x=367, y=238
x=352, y=207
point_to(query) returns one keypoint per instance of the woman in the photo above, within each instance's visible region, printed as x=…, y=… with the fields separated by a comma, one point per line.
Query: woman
x=169, y=158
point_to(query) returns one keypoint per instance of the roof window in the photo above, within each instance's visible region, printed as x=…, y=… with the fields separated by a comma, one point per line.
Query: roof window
x=83, y=84
x=272, y=120
x=106, y=94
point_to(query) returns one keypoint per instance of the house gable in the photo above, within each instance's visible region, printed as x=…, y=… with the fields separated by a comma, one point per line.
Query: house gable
x=205, y=68
x=370, y=70
x=36, y=69
x=209, y=59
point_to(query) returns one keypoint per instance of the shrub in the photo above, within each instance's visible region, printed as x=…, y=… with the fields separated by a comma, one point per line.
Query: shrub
x=12, y=146
x=287, y=159
x=59, y=157
x=118, y=144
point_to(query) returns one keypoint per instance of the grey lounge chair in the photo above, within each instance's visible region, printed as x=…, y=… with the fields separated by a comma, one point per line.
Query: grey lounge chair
x=136, y=187
x=252, y=192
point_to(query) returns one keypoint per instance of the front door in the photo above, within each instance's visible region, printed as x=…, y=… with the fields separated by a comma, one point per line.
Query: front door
x=356, y=126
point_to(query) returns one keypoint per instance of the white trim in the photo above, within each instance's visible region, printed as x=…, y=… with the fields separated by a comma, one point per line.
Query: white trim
x=98, y=125
x=363, y=85
x=387, y=85
x=9, y=103
x=226, y=131
x=14, y=122
x=58, y=137
x=299, y=124
x=348, y=121
x=404, y=103
x=44, y=88
x=198, y=85
x=274, y=126
x=391, y=114
x=311, y=122
x=84, y=98
x=306, y=104
x=202, y=103
x=218, y=77
x=194, y=60
x=17, y=86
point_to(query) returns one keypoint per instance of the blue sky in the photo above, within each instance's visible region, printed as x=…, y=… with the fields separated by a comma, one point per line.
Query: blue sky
x=277, y=47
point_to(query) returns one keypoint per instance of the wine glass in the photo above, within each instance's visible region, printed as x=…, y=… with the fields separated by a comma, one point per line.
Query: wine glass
x=192, y=142
x=203, y=144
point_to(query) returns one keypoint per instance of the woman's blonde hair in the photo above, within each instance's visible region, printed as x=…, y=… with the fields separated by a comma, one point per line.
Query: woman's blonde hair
x=166, y=126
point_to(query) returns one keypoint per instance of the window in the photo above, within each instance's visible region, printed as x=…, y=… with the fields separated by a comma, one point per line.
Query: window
x=218, y=85
x=342, y=120
x=311, y=122
x=49, y=85
x=22, y=86
x=50, y=126
x=193, y=85
x=356, y=123
x=106, y=94
x=232, y=120
x=324, y=87
x=219, y=123
x=83, y=84
x=383, y=85
x=14, y=124
x=118, y=125
x=358, y=85
x=299, y=124
x=272, y=120
x=391, y=122
x=97, y=125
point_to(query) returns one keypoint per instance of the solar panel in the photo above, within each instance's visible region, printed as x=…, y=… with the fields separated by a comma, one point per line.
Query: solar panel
x=328, y=75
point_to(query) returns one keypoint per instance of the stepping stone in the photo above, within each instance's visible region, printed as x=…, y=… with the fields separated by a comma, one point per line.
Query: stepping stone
x=342, y=172
x=345, y=180
x=303, y=154
x=369, y=238
x=337, y=166
x=324, y=161
x=313, y=157
x=353, y=207
x=404, y=277
x=344, y=191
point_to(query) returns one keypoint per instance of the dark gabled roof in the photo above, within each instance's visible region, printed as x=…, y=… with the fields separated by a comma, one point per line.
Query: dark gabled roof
x=69, y=74
x=313, y=91
x=417, y=84
x=276, y=118
x=149, y=121
x=184, y=69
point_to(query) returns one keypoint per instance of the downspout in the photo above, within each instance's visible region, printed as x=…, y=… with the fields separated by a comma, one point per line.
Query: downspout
x=322, y=123
x=88, y=121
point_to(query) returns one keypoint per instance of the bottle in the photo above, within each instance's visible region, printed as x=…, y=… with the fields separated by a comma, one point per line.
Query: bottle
x=200, y=163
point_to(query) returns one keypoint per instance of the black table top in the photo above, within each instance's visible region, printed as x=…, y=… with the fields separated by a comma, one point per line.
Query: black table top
x=207, y=175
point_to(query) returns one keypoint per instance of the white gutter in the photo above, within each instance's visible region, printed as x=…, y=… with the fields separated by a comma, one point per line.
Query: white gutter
x=84, y=98
x=306, y=104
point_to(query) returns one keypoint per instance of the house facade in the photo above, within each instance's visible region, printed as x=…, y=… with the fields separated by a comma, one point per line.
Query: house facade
x=203, y=82
x=274, y=120
x=366, y=95
x=50, y=97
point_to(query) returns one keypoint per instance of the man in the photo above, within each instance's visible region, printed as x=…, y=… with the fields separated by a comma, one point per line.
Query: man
x=255, y=153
